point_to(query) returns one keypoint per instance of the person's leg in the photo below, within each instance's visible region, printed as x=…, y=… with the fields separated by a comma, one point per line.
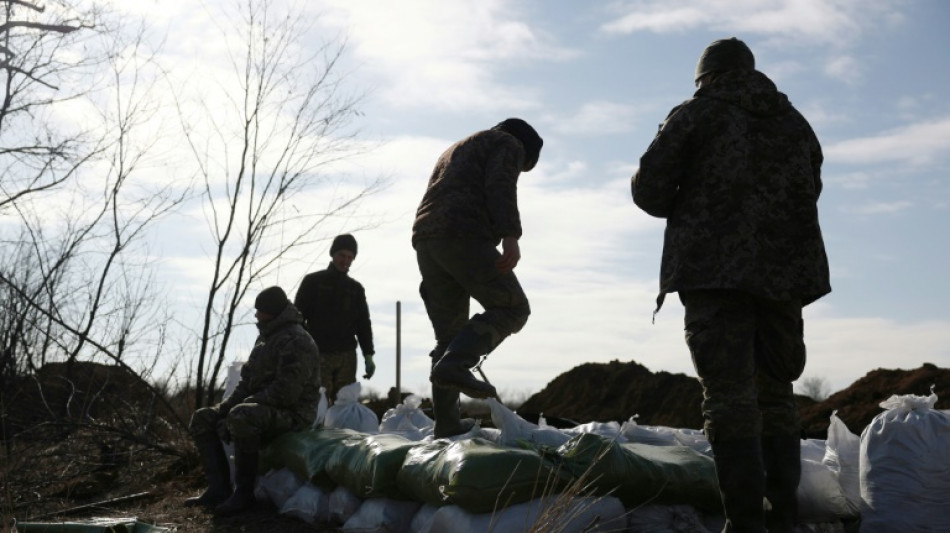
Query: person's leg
x=720, y=333
x=251, y=425
x=780, y=356
x=471, y=265
x=203, y=429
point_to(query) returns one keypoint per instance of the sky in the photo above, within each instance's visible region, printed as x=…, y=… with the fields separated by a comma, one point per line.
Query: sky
x=596, y=78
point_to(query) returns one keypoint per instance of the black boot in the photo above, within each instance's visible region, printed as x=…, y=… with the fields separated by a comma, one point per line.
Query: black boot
x=783, y=471
x=741, y=474
x=447, y=415
x=245, y=472
x=217, y=471
x=453, y=370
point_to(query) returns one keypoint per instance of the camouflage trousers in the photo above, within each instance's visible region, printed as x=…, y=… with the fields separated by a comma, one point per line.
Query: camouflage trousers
x=747, y=351
x=456, y=271
x=337, y=369
x=245, y=421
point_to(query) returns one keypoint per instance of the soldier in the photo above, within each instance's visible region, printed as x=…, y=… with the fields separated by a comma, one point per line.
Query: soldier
x=278, y=392
x=736, y=171
x=469, y=207
x=337, y=316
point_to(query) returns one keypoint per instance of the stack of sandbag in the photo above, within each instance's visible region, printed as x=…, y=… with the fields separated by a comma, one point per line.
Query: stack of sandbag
x=905, y=467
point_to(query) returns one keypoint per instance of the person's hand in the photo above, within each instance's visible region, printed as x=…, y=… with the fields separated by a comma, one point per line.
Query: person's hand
x=222, y=429
x=370, y=365
x=510, y=254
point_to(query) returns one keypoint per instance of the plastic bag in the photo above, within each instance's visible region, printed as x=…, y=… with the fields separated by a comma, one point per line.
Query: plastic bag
x=407, y=419
x=382, y=515
x=347, y=412
x=310, y=504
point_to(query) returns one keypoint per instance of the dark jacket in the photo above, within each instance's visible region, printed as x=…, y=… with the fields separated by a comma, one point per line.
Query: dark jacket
x=472, y=193
x=736, y=171
x=283, y=370
x=335, y=310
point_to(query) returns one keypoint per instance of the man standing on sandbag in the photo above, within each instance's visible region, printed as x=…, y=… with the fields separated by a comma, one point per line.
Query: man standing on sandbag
x=337, y=316
x=278, y=392
x=470, y=207
x=736, y=171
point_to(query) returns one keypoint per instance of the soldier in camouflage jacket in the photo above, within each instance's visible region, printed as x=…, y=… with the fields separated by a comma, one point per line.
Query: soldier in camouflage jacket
x=735, y=170
x=469, y=207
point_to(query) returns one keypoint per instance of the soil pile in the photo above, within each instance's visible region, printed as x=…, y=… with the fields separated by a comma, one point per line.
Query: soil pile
x=598, y=392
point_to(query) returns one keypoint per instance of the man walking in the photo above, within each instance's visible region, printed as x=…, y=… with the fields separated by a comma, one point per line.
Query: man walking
x=277, y=393
x=337, y=316
x=735, y=170
x=469, y=207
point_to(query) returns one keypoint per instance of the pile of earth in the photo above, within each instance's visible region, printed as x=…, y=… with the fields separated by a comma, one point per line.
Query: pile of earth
x=616, y=391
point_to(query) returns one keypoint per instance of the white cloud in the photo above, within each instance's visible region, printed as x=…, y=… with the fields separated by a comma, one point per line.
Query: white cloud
x=878, y=208
x=444, y=54
x=598, y=117
x=917, y=144
x=844, y=68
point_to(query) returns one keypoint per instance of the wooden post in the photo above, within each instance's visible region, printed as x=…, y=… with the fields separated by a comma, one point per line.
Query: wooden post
x=398, y=352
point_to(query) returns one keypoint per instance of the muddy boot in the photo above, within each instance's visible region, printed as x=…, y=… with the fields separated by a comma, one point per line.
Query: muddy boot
x=245, y=472
x=783, y=471
x=453, y=370
x=217, y=471
x=741, y=476
x=447, y=415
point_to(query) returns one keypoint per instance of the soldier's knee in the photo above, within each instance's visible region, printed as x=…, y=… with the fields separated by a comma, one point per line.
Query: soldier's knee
x=203, y=421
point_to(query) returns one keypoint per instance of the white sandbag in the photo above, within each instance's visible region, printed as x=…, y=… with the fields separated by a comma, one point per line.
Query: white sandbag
x=310, y=504
x=514, y=428
x=693, y=438
x=422, y=520
x=348, y=413
x=814, y=449
x=343, y=504
x=551, y=514
x=905, y=453
x=382, y=515
x=843, y=457
x=666, y=519
x=630, y=431
x=611, y=429
x=407, y=419
x=322, y=406
x=820, y=497
x=277, y=486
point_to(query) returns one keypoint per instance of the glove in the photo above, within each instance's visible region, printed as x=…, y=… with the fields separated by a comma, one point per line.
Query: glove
x=222, y=429
x=370, y=365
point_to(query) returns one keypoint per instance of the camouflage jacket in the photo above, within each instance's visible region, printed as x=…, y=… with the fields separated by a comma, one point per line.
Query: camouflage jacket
x=472, y=193
x=283, y=370
x=736, y=171
x=335, y=310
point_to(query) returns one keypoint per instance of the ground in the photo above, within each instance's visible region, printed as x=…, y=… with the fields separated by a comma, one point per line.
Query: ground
x=66, y=468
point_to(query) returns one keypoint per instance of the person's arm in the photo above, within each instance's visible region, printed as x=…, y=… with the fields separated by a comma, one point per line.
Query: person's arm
x=655, y=184
x=501, y=188
x=294, y=373
x=364, y=334
x=303, y=300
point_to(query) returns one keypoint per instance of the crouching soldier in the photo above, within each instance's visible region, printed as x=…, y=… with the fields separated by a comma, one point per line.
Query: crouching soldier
x=278, y=392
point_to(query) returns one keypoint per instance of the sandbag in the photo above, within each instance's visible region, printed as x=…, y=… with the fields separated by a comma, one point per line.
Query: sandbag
x=905, y=453
x=310, y=504
x=476, y=474
x=407, y=419
x=382, y=515
x=639, y=473
x=553, y=513
x=368, y=466
x=305, y=453
x=347, y=412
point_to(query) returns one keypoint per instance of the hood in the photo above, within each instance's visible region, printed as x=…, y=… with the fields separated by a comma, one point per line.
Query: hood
x=749, y=89
x=288, y=317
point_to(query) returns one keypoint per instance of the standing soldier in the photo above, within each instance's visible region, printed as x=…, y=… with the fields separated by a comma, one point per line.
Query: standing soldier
x=277, y=393
x=469, y=207
x=736, y=171
x=336, y=315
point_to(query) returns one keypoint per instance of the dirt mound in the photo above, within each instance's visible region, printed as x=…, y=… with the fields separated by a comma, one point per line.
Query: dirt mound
x=598, y=392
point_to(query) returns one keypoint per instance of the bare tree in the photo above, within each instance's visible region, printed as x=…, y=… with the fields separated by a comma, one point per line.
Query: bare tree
x=814, y=387
x=286, y=119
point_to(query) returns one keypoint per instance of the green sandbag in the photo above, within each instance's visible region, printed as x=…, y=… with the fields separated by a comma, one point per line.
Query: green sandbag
x=306, y=453
x=477, y=475
x=368, y=466
x=639, y=473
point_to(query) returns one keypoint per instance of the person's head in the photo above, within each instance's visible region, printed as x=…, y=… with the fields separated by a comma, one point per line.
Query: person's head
x=723, y=55
x=343, y=252
x=269, y=303
x=529, y=138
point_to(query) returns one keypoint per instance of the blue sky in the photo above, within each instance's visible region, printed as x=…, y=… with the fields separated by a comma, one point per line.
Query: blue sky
x=596, y=78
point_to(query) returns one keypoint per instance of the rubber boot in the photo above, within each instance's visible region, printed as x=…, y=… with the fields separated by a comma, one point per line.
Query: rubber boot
x=246, y=452
x=217, y=471
x=447, y=414
x=453, y=370
x=783, y=471
x=741, y=474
